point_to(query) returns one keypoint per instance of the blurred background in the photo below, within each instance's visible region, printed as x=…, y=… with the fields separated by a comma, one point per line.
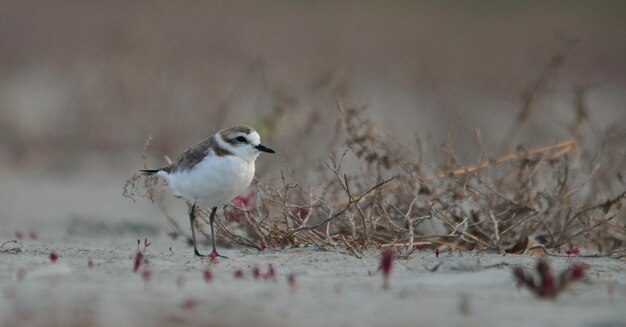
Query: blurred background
x=84, y=84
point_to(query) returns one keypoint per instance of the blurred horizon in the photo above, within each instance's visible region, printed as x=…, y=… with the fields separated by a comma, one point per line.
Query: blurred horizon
x=89, y=81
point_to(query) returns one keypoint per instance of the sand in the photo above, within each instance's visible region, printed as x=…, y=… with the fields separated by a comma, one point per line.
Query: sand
x=84, y=218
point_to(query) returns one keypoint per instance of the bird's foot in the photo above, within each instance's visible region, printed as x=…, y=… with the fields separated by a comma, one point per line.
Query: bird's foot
x=214, y=255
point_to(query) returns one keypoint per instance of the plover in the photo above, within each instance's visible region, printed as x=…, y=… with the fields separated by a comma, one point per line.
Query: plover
x=214, y=171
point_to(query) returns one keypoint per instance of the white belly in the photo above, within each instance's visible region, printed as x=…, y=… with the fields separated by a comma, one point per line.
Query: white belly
x=214, y=181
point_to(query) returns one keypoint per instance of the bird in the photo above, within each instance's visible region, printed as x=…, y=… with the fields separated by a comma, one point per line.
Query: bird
x=212, y=172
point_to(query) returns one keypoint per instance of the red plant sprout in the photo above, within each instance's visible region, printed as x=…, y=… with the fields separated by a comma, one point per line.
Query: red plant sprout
x=291, y=281
x=244, y=202
x=471, y=247
x=139, y=256
x=574, y=273
x=271, y=272
x=241, y=203
x=574, y=250
x=544, y=283
x=19, y=235
x=238, y=273
x=256, y=273
x=207, y=276
x=262, y=245
x=437, y=252
x=54, y=256
x=32, y=235
x=20, y=274
x=420, y=246
x=577, y=271
x=386, y=263
x=137, y=261
x=90, y=263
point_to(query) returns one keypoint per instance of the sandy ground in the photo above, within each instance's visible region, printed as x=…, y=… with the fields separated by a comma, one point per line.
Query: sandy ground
x=331, y=287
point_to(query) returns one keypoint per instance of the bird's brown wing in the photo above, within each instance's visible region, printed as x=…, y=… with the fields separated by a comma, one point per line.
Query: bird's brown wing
x=191, y=156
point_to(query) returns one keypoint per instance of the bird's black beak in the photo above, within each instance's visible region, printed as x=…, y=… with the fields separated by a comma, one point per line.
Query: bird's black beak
x=263, y=148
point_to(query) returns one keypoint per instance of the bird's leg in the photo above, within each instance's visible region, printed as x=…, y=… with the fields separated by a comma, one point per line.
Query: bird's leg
x=213, y=236
x=192, y=217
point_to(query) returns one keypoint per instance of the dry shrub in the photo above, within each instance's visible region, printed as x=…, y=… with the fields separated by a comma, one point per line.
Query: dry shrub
x=384, y=198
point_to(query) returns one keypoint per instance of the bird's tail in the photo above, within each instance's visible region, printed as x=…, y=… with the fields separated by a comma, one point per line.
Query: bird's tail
x=149, y=171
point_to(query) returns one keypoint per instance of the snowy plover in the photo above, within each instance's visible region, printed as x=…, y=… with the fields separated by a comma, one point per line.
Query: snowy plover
x=214, y=171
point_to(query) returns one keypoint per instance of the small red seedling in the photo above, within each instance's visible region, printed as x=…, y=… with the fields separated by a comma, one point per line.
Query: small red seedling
x=256, y=273
x=139, y=256
x=291, y=280
x=574, y=250
x=238, y=273
x=271, y=272
x=419, y=246
x=437, y=252
x=207, y=275
x=244, y=202
x=32, y=235
x=137, y=261
x=54, y=256
x=577, y=271
x=544, y=283
x=386, y=263
x=241, y=204
x=19, y=235
x=90, y=263
x=262, y=245
x=471, y=247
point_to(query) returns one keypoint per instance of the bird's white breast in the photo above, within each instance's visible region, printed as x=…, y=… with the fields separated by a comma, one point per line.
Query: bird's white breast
x=214, y=181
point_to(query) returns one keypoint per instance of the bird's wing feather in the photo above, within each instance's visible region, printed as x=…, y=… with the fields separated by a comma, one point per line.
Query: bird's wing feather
x=191, y=156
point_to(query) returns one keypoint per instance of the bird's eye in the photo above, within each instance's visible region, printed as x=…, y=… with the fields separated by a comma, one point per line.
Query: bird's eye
x=241, y=139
